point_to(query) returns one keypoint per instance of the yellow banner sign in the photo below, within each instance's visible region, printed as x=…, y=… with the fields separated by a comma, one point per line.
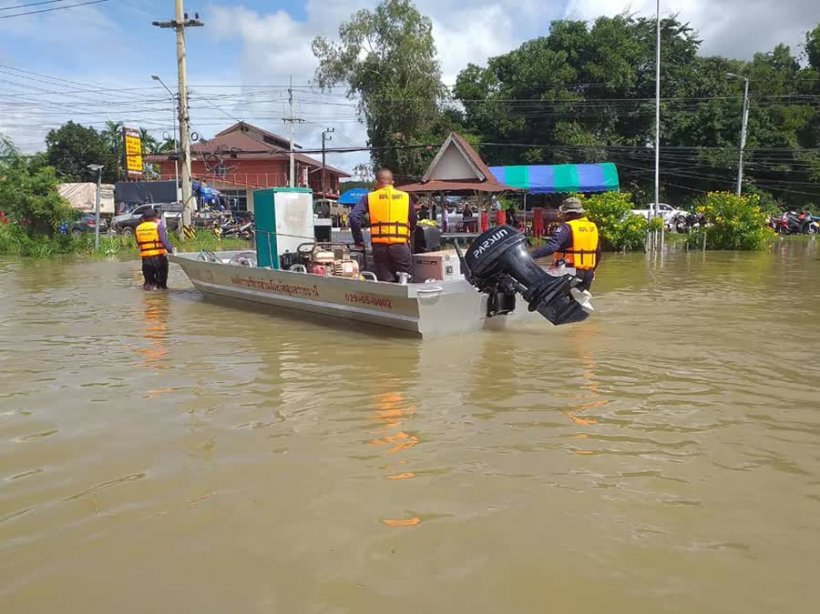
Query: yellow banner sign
x=133, y=151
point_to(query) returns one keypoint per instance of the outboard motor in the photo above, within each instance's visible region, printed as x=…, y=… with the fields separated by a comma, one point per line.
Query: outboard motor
x=499, y=265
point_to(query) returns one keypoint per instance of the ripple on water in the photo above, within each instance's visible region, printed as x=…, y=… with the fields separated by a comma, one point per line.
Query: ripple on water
x=655, y=442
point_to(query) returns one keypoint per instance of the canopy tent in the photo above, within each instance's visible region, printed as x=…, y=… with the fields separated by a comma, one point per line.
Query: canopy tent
x=352, y=196
x=560, y=178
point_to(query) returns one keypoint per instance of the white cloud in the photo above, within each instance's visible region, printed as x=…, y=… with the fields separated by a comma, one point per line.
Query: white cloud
x=276, y=46
x=478, y=34
x=733, y=28
x=84, y=25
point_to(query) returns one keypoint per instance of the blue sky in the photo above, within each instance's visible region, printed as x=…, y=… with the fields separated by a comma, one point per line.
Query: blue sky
x=109, y=50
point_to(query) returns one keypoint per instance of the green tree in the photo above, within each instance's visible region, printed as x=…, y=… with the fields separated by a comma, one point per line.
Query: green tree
x=150, y=145
x=28, y=193
x=112, y=134
x=621, y=230
x=812, y=47
x=576, y=95
x=167, y=145
x=72, y=147
x=585, y=93
x=387, y=59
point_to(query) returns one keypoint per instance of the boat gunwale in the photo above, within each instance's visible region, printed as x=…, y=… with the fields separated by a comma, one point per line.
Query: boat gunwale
x=432, y=288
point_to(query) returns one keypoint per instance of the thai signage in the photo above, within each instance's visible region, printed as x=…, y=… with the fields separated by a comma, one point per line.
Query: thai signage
x=133, y=151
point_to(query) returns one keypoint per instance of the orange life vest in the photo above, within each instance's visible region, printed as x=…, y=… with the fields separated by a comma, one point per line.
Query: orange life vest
x=583, y=251
x=389, y=211
x=148, y=240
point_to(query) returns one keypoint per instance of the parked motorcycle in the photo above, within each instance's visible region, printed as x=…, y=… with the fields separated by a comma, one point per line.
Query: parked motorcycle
x=792, y=223
x=238, y=231
x=228, y=228
x=683, y=223
x=808, y=223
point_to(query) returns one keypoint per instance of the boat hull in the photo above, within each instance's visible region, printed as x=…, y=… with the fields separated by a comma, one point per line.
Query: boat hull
x=432, y=309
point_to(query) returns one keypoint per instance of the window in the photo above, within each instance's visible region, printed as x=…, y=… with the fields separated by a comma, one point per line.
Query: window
x=221, y=171
x=237, y=199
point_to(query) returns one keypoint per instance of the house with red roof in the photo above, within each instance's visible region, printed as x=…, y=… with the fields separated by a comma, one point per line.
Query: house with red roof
x=244, y=158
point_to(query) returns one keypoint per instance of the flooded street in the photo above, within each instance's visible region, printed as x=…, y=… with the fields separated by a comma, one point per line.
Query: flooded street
x=161, y=453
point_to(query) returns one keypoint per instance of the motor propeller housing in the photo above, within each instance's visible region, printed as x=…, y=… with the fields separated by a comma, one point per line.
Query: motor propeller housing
x=499, y=264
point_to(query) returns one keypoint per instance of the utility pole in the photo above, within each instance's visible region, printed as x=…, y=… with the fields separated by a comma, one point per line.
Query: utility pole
x=292, y=121
x=658, y=115
x=179, y=23
x=326, y=136
x=743, y=129
x=174, y=114
x=98, y=168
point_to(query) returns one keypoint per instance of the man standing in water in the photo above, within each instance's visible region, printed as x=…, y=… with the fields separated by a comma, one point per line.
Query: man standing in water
x=576, y=242
x=152, y=240
x=392, y=221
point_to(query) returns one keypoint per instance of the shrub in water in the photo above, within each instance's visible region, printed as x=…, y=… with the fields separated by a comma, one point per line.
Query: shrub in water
x=732, y=222
x=621, y=230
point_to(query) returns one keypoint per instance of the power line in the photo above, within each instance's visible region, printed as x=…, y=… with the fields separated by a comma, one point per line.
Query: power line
x=25, y=6
x=55, y=8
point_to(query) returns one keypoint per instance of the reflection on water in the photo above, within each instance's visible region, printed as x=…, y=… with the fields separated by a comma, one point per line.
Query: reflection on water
x=154, y=313
x=392, y=412
x=162, y=453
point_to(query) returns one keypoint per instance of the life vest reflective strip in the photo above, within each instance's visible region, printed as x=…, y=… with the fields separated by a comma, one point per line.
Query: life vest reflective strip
x=148, y=240
x=583, y=253
x=389, y=211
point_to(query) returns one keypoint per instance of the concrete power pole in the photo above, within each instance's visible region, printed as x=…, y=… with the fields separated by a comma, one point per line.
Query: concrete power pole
x=179, y=23
x=292, y=121
x=743, y=129
x=325, y=137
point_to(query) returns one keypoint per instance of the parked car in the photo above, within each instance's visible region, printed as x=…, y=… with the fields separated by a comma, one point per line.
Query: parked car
x=87, y=223
x=668, y=212
x=126, y=223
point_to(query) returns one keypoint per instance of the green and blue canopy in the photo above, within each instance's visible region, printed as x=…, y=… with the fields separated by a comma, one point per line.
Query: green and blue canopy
x=559, y=178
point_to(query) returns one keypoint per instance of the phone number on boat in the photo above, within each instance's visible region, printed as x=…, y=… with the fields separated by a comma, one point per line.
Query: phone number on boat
x=368, y=299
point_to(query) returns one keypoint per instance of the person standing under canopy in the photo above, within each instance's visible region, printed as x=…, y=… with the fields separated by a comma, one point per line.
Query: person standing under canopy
x=392, y=220
x=576, y=242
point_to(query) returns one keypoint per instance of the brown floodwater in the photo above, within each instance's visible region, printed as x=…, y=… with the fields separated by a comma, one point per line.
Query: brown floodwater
x=161, y=453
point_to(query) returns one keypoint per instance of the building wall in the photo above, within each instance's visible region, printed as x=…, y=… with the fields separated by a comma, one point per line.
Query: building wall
x=254, y=174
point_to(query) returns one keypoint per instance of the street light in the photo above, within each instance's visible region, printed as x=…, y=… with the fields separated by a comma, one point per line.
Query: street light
x=174, y=116
x=97, y=168
x=743, y=127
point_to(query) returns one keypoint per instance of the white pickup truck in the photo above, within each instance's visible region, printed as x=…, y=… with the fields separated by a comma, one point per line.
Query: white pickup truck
x=668, y=212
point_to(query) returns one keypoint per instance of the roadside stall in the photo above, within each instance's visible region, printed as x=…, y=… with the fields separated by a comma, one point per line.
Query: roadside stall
x=458, y=170
x=544, y=179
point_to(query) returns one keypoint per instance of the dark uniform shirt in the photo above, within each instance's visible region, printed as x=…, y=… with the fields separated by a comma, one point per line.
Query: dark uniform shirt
x=163, y=237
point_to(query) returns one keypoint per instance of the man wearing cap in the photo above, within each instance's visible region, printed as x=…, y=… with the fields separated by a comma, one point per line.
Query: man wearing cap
x=576, y=242
x=153, y=243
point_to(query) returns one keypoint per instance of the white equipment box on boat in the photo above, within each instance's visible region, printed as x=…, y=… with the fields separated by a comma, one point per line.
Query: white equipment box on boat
x=442, y=266
x=284, y=220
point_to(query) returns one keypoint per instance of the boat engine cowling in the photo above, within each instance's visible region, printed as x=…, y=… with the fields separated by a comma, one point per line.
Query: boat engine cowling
x=499, y=264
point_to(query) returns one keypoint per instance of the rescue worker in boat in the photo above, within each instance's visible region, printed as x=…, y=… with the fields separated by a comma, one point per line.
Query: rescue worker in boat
x=576, y=242
x=152, y=240
x=392, y=220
